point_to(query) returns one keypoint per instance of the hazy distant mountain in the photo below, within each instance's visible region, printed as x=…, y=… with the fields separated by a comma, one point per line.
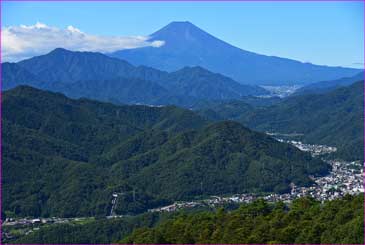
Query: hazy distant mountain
x=97, y=76
x=187, y=45
x=325, y=86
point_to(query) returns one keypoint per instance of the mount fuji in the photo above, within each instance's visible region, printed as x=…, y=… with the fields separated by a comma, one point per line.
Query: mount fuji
x=188, y=45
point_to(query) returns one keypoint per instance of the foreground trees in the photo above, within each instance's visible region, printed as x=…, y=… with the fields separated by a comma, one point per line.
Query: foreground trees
x=306, y=221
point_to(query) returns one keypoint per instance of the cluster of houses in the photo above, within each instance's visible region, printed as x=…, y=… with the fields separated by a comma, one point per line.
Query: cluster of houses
x=176, y=206
x=38, y=221
x=315, y=150
x=31, y=224
x=345, y=178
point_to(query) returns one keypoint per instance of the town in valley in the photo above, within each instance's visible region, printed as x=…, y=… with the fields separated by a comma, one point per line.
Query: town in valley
x=345, y=178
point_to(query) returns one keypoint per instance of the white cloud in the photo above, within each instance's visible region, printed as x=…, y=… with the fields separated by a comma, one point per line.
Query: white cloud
x=21, y=42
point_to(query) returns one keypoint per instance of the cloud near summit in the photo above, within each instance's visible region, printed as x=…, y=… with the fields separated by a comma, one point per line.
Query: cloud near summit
x=21, y=42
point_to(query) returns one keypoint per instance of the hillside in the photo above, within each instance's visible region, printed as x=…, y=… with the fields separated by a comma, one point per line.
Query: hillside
x=81, y=151
x=199, y=82
x=221, y=158
x=118, y=90
x=188, y=45
x=14, y=75
x=326, y=86
x=334, y=118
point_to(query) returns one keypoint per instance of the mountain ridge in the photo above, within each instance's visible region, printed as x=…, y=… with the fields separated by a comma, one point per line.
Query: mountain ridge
x=326, y=86
x=97, y=76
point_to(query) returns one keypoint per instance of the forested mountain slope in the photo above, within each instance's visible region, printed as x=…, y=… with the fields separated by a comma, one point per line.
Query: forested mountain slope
x=81, y=151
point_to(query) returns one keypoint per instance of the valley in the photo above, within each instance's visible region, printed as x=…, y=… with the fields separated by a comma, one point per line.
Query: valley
x=344, y=178
x=180, y=137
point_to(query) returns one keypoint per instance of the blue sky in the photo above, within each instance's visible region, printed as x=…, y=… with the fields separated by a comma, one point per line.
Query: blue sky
x=329, y=33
